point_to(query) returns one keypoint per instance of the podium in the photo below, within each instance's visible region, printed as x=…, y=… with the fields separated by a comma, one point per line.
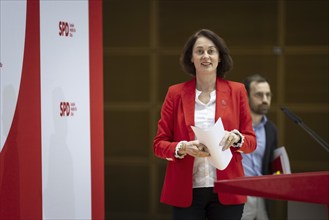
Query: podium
x=312, y=187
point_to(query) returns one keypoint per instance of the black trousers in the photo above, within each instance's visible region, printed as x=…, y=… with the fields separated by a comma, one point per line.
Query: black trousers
x=205, y=205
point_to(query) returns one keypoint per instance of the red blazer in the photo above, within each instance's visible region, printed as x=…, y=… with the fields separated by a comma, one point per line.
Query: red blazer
x=177, y=116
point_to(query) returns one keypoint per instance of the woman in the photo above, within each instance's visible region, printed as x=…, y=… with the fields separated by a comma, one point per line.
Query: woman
x=189, y=180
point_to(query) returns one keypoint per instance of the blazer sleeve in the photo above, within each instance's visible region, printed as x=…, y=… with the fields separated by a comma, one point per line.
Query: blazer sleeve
x=163, y=144
x=245, y=124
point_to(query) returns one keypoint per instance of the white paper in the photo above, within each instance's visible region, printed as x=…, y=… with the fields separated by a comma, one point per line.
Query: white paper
x=211, y=138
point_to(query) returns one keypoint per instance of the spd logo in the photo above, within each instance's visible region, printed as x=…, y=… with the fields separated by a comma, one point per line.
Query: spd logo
x=66, y=29
x=67, y=109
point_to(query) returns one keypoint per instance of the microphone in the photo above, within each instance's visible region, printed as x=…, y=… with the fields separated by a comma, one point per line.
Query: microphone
x=299, y=121
x=291, y=115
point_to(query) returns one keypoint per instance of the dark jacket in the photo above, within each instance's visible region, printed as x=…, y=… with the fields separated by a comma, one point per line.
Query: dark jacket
x=271, y=145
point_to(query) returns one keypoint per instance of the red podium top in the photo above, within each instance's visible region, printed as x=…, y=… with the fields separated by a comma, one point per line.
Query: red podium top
x=305, y=187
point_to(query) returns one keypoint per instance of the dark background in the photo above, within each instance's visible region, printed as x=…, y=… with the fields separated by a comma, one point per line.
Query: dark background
x=284, y=40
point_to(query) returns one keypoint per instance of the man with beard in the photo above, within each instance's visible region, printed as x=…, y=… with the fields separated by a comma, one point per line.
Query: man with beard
x=259, y=162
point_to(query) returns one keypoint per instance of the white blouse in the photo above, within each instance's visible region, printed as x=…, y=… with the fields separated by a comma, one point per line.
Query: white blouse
x=204, y=174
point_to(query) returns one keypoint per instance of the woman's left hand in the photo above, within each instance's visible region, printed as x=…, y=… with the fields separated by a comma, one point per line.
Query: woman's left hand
x=228, y=140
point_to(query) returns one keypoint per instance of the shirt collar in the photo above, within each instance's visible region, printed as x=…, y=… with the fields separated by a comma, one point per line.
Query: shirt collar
x=262, y=122
x=212, y=98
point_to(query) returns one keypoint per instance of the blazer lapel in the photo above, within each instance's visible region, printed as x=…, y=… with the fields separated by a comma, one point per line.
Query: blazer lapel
x=222, y=98
x=188, y=101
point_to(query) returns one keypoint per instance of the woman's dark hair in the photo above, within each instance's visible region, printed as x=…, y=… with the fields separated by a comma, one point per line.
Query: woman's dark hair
x=224, y=66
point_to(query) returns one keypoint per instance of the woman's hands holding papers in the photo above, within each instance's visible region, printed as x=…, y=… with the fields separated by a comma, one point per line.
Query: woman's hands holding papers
x=195, y=149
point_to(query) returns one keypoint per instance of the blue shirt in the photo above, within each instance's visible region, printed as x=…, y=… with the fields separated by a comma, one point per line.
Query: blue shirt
x=252, y=162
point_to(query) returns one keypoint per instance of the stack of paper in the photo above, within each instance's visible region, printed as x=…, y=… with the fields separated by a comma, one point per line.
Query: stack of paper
x=211, y=138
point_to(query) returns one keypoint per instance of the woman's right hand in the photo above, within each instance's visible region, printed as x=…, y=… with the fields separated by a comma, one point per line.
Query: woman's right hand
x=194, y=149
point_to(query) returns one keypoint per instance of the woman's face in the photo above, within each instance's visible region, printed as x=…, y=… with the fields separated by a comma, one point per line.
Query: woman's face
x=205, y=56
